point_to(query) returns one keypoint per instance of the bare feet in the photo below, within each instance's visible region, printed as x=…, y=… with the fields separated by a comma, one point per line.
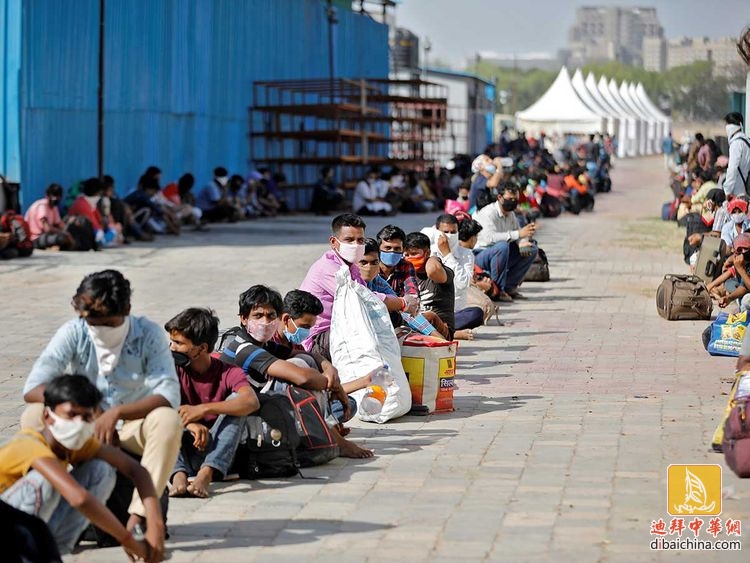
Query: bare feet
x=343, y=430
x=179, y=486
x=350, y=449
x=465, y=334
x=199, y=487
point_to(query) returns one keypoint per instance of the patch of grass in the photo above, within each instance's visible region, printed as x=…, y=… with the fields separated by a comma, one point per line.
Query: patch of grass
x=651, y=234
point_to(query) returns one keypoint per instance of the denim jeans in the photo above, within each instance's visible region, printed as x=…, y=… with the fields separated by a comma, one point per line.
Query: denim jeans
x=35, y=495
x=504, y=262
x=223, y=439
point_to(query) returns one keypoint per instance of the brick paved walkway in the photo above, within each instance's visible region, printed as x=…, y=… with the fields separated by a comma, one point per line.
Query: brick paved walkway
x=567, y=416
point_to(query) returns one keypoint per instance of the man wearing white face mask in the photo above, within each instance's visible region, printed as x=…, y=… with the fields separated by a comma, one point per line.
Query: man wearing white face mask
x=347, y=249
x=737, y=223
x=444, y=244
x=34, y=475
x=737, y=180
x=212, y=199
x=128, y=358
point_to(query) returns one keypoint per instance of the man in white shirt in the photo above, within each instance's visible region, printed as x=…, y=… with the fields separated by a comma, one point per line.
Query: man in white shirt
x=368, y=196
x=497, y=250
x=738, y=169
x=444, y=244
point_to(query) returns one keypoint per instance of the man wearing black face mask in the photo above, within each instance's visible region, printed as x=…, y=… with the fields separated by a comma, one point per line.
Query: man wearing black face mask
x=497, y=250
x=215, y=397
x=45, y=224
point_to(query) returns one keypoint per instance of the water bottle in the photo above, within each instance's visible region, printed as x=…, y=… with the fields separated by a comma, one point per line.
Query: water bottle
x=372, y=402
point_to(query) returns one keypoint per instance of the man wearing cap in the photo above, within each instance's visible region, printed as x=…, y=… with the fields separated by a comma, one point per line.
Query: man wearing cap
x=737, y=223
x=487, y=175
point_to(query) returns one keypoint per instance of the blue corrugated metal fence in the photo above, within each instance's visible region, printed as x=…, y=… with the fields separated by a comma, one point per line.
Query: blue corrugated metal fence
x=178, y=80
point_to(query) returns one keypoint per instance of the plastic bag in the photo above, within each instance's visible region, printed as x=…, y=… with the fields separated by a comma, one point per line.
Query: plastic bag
x=727, y=332
x=362, y=339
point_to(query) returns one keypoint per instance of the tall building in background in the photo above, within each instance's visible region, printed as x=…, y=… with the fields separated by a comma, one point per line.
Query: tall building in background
x=661, y=54
x=604, y=33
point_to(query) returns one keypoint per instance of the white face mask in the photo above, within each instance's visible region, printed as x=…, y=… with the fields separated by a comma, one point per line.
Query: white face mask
x=452, y=240
x=739, y=217
x=731, y=129
x=222, y=180
x=70, y=433
x=351, y=252
x=108, y=341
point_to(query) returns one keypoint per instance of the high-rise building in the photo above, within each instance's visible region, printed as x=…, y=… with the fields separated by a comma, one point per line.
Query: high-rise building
x=662, y=54
x=606, y=33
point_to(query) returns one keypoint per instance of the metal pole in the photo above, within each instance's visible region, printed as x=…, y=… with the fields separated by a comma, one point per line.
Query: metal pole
x=331, y=13
x=100, y=98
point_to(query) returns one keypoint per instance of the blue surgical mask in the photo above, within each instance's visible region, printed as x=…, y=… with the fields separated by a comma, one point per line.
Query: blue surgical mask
x=298, y=336
x=490, y=168
x=391, y=258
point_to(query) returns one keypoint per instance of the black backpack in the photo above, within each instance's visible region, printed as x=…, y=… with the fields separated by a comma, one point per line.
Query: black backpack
x=82, y=231
x=550, y=206
x=288, y=432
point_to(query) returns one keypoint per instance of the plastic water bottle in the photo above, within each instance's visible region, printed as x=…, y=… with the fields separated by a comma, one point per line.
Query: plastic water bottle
x=377, y=391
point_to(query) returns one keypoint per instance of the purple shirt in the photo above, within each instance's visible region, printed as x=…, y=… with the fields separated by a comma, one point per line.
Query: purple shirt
x=321, y=282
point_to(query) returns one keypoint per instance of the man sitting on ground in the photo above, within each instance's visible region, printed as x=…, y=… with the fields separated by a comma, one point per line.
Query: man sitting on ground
x=497, y=250
x=369, y=269
x=34, y=473
x=488, y=174
x=436, y=290
x=347, y=248
x=734, y=283
x=216, y=398
x=250, y=346
x=738, y=221
x=212, y=199
x=126, y=355
x=444, y=245
x=45, y=223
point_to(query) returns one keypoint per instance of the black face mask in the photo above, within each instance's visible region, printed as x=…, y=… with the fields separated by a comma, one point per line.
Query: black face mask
x=509, y=204
x=180, y=359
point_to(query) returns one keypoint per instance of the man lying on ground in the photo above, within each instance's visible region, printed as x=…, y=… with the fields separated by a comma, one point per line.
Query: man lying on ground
x=215, y=399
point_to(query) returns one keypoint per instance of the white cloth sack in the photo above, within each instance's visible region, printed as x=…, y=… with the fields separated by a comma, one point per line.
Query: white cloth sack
x=361, y=340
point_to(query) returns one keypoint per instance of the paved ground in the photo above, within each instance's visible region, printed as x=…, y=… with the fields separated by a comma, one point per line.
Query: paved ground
x=566, y=419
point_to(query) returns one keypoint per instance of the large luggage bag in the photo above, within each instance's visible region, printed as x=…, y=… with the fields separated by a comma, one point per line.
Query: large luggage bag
x=683, y=298
x=709, y=257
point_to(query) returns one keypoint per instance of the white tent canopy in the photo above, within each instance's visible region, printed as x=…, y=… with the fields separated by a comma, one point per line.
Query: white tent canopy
x=580, y=87
x=560, y=110
x=581, y=106
x=611, y=110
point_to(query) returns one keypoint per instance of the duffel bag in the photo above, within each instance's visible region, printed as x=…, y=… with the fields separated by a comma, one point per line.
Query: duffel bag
x=736, y=442
x=682, y=298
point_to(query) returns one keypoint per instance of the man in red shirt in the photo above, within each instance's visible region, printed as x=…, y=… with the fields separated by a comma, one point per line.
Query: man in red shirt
x=215, y=398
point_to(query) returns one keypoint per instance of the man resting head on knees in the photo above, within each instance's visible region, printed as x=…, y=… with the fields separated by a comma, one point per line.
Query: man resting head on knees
x=215, y=399
x=34, y=473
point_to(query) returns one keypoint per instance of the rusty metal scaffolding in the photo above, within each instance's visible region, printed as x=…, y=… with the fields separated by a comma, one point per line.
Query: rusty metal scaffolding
x=298, y=126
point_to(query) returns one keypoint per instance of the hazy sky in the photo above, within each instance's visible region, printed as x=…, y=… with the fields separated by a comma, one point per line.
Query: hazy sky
x=460, y=28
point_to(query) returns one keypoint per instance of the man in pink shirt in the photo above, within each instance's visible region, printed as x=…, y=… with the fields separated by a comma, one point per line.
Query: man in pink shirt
x=347, y=249
x=45, y=224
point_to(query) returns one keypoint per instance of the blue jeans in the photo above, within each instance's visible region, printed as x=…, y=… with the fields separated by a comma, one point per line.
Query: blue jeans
x=35, y=495
x=470, y=317
x=504, y=263
x=223, y=439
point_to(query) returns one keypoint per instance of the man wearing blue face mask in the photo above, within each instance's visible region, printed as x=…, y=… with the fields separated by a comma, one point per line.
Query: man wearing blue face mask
x=487, y=174
x=399, y=274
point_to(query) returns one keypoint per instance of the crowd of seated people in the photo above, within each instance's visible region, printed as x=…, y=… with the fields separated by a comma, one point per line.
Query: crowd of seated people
x=166, y=407
x=710, y=200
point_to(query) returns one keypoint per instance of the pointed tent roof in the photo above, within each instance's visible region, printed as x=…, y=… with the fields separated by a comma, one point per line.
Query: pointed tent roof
x=597, y=95
x=640, y=91
x=560, y=109
x=614, y=91
x=592, y=103
x=614, y=103
x=624, y=92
